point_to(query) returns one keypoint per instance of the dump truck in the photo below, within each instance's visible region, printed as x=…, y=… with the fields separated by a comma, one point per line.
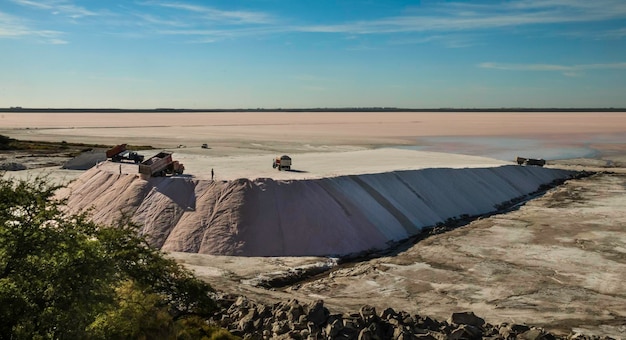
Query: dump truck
x=119, y=153
x=161, y=164
x=530, y=161
x=282, y=163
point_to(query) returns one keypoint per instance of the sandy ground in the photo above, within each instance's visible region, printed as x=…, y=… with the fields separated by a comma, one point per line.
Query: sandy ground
x=558, y=261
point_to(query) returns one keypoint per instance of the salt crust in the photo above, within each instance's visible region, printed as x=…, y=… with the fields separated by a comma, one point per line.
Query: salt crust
x=318, y=217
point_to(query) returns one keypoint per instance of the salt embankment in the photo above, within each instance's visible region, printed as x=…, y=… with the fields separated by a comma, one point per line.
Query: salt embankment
x=326, y=216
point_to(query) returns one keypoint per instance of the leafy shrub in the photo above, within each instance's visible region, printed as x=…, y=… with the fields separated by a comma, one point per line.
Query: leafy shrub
x=63, y=276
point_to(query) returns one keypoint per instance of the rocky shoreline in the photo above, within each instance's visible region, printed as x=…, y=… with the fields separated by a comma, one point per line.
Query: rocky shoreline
x=297, y=320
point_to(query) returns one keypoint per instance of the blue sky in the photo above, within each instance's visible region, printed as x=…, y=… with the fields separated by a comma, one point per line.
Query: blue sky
x=312, y=53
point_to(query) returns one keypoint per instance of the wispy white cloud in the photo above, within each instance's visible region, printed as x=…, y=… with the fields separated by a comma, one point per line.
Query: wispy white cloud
x=35, y=4
x=204, y=24
x=58, y=7
x=568, y=70
x=457, y=16
x=154, y=20
x=58, y=42
x=447, y=40
x=526, y=67
x=10, y=26
x=13, y=27
x=451, y=24
x=222, y=16
x=611, y=34
x=213, y=35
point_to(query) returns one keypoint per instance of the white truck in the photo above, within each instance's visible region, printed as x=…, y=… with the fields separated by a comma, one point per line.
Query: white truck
x=282, y=163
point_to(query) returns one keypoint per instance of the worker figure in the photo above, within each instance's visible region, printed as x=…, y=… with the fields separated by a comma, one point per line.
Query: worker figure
x=120, y=169
x=212, y=174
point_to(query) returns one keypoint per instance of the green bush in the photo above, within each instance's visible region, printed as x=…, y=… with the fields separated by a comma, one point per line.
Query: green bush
x=63, y=276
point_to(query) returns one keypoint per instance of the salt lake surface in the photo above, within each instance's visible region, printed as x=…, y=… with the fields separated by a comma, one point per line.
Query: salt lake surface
x=508, y=148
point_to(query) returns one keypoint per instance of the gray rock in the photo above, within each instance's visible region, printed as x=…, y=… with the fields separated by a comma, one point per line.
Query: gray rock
x=263, y=311
x=388, y=314
x=333, y=328
x=241, y=301
x=301, y=323
x=313, y=328
x=511, y=331
x=518, y=329
x=368, y=313
x=292, y=320
x=295, y=311
x=280, y=315
x=366, y=334
x=350, y=322
x=407, y=319
x=280, y=327
x=466, y=318
x=536, y=334
x=318, y=313
x=428, y=323
x=246, y=324
x=465, y=332
x=402, y=334
x=394, y=323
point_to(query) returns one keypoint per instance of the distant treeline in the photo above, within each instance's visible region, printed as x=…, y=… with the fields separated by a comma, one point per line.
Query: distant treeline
x=325, y=109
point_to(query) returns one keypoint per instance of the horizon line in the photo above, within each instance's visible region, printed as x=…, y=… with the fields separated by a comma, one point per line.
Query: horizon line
x=324, y=109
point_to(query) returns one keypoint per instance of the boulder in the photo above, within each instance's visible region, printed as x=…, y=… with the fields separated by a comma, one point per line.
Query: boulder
x=368, y=313
x=318, y=313
x=464, y=332
x=387, y=314
x=536, y=334
x=466, y=318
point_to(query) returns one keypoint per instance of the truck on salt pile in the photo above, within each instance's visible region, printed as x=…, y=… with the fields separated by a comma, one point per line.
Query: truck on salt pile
x=282, y=163
x=119, y=153
x=161, y=164
x=530, y=161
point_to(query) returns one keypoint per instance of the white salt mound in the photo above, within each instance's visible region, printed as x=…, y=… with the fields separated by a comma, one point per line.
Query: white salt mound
x=327, y=216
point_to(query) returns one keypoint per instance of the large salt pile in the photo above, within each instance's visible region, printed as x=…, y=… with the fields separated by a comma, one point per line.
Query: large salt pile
x=327, y=216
